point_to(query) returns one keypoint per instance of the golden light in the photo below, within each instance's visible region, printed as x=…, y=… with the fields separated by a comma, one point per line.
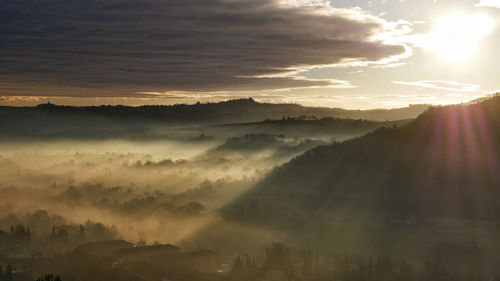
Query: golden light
x=457, y=37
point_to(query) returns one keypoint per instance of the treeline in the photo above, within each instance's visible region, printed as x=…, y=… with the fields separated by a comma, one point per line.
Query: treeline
x=8, y=275
x=49, y=277
x=19, y=234
x=314, y=118
x=281, y=264
x=40, y=227
x=238, y=110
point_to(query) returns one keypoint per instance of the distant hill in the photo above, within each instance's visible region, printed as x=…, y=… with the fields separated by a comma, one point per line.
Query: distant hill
x=49, y=120
x=443, y=164
x=275, y=146
x=307, y=127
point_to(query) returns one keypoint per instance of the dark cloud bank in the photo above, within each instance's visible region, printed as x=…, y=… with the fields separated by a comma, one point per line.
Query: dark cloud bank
x=111, y=47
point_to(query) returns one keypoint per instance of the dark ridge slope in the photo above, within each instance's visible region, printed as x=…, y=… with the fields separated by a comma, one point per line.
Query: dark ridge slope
x=242, y=110
x=53, y=121
x=445, y=163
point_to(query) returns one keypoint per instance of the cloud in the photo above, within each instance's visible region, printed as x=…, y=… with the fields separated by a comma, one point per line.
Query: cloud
x=442, y=85
x=19, y=99
x=488, y=3
x=390, y=65
x=124, y=48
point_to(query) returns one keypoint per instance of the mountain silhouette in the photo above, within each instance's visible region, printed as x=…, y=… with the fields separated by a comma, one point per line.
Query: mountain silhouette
x=55, y=121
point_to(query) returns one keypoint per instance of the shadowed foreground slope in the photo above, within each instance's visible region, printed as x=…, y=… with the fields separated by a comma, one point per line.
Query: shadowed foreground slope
x=443, y=164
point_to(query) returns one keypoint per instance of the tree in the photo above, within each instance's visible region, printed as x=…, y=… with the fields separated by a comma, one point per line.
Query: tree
x=316, y=265
x=248, y=262
x=238, y=264
x=307, y=267
x=8, y=273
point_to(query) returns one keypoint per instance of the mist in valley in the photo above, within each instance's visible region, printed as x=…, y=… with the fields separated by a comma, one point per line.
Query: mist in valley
x=165, y=189
x=211, y=198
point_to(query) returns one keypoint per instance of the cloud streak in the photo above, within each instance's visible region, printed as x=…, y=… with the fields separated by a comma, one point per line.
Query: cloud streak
x=442, y=85
x=124, y=48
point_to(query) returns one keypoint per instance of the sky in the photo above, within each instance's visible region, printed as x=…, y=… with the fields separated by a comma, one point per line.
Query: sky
x=351, y=54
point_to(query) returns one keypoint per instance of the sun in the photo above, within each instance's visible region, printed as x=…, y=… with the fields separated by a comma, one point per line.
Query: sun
x=457, y=37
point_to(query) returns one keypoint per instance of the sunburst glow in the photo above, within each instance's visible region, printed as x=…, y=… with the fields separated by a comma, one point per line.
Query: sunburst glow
x=457, y=37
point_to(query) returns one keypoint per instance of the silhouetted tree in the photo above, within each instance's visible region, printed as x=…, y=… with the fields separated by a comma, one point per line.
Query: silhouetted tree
x=307, y=267
x=316, y=265
x=8, y=273
x=82, y=230
x=238, y=264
